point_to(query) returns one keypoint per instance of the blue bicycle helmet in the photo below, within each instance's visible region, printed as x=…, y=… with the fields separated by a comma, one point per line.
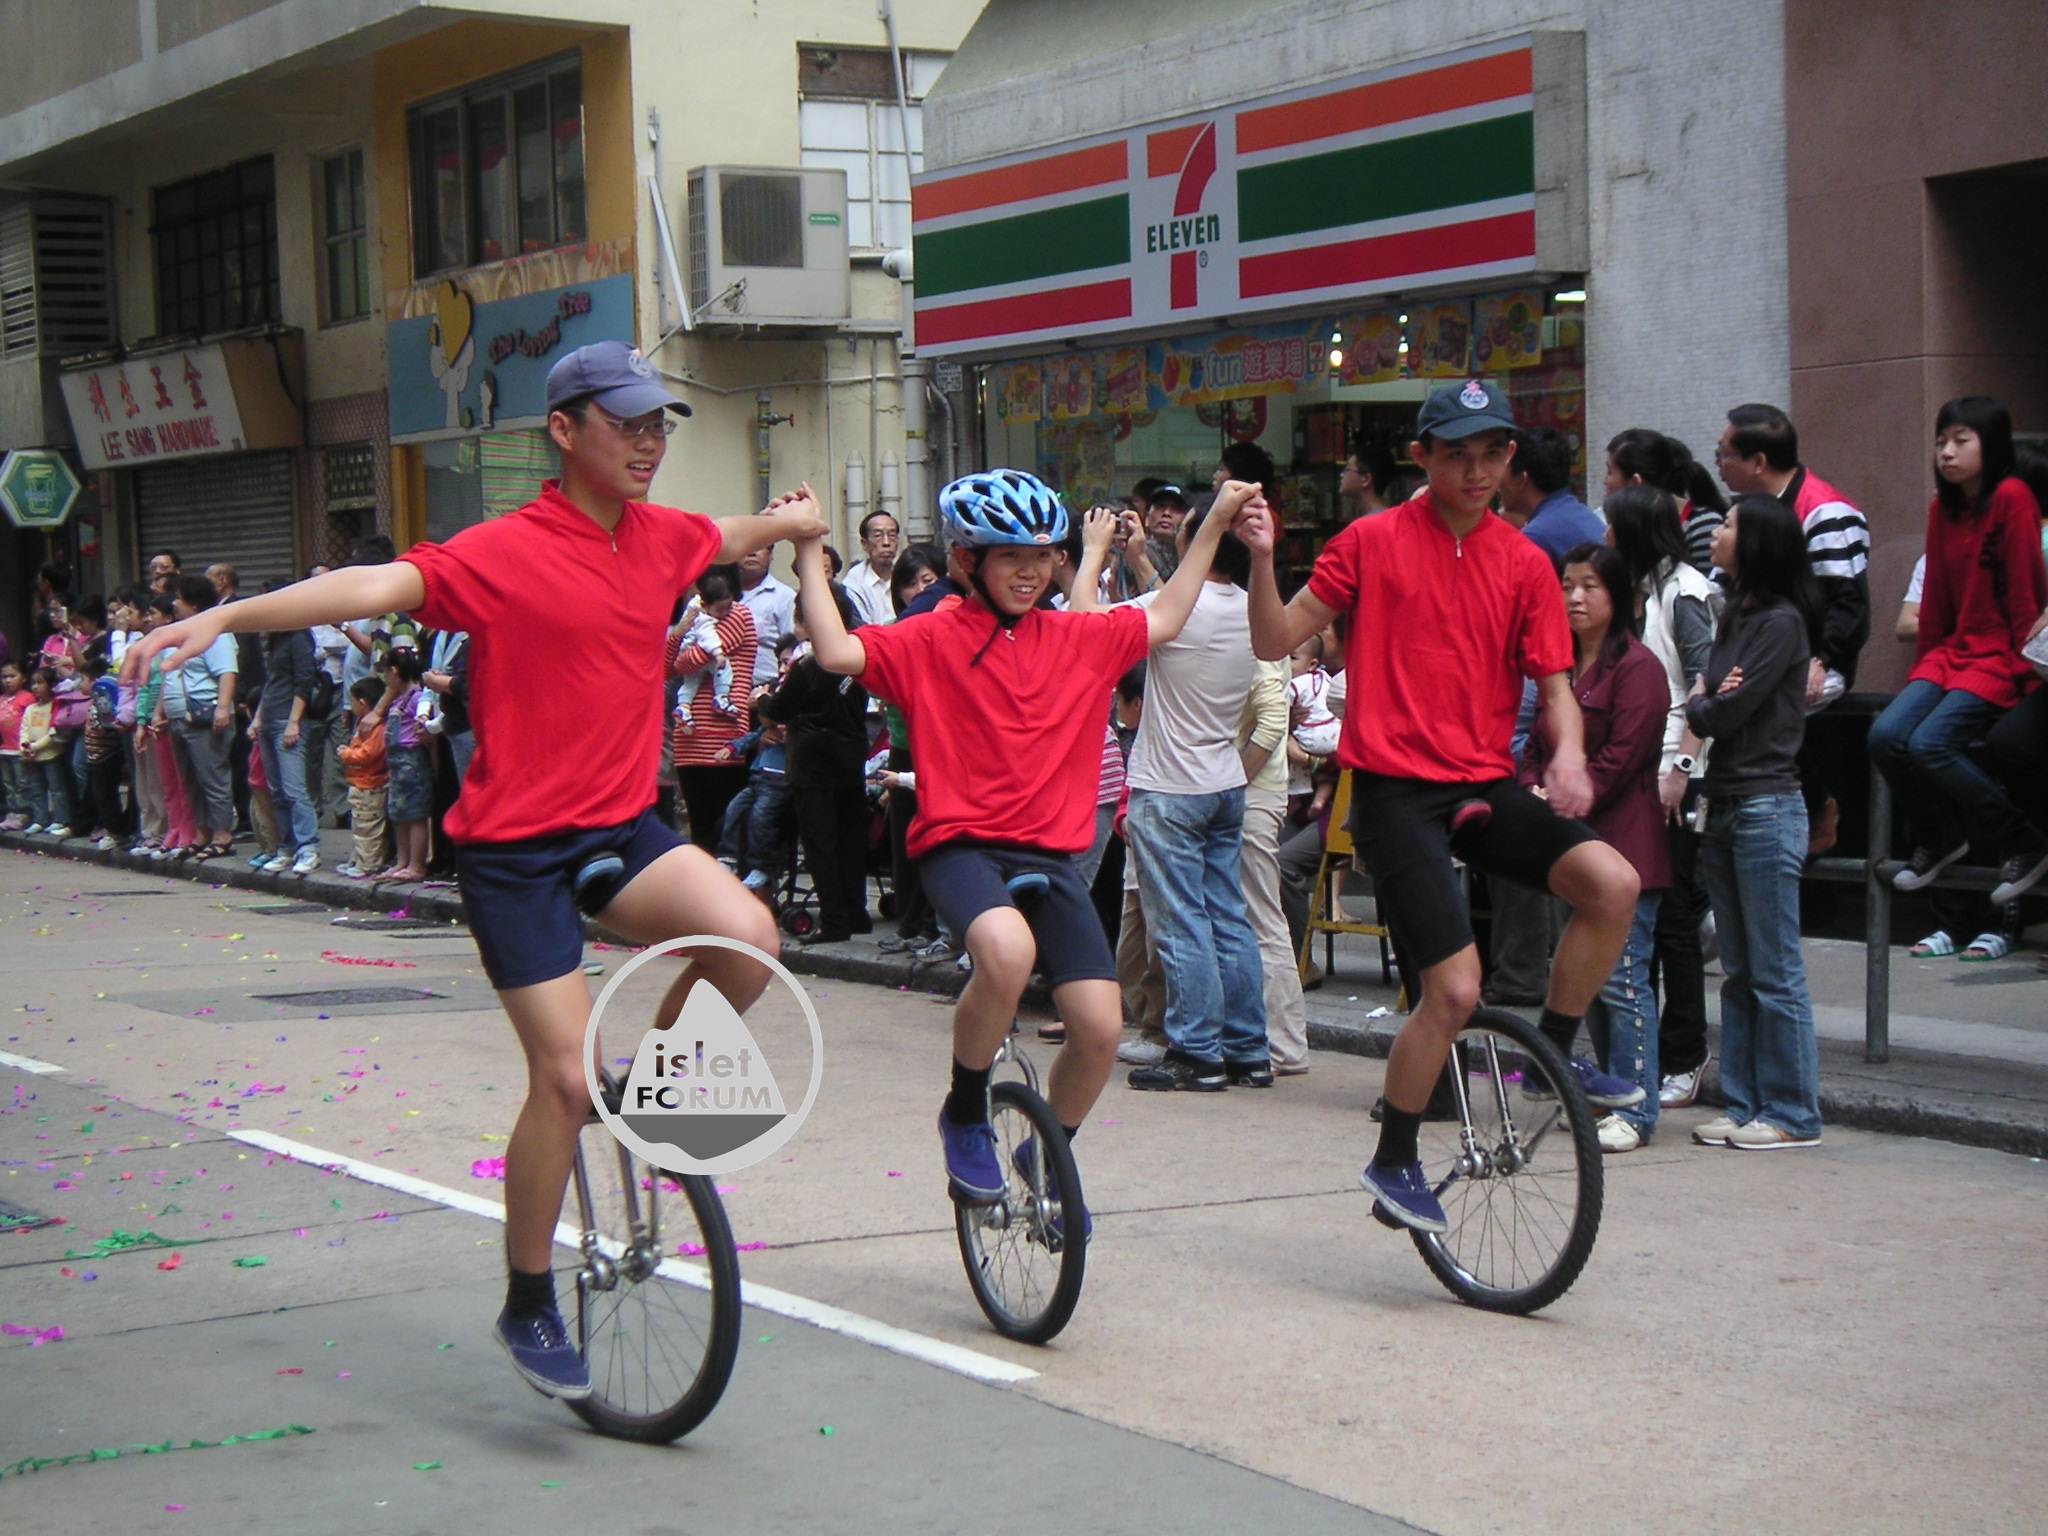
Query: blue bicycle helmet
x=1003, y=506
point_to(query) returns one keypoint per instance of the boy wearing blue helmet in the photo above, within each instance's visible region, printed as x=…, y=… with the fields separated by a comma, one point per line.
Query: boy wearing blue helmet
x=1006, y=703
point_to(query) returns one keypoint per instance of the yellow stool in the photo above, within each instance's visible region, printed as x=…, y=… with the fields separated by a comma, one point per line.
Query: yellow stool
x=1322, y=900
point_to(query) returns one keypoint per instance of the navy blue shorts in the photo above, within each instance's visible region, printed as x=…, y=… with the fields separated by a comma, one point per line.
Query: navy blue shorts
x=965, y=880
x=522, y=911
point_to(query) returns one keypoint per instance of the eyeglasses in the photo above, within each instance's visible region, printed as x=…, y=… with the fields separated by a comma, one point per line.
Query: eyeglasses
x=660, y=424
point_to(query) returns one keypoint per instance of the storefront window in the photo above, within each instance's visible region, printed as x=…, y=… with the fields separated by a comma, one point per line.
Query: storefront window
x=1307, y=391
x=473, y=479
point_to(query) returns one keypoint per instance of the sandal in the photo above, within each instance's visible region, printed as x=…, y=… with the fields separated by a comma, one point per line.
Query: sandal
x=1056, y=1033
x=1936, y=946
x=1985, y=947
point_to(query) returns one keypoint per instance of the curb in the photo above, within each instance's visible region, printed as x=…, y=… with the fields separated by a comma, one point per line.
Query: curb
x=1953, y=1120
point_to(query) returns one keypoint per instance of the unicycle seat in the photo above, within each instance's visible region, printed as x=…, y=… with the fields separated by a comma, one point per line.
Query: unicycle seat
x=1029, y=886
x=597, y=882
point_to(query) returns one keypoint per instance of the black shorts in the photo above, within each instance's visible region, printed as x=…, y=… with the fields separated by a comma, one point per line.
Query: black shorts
x=522, y=910
x=964, y=880
x=1402, y=829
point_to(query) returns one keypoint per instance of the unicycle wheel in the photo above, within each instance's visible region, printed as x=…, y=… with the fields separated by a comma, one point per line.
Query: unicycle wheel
x=1025, y=1271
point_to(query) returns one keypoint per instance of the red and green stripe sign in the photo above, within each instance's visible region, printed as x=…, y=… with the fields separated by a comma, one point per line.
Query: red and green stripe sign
x=1405, y=178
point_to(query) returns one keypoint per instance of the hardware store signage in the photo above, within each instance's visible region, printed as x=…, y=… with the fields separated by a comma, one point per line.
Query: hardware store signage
x=172, y=405
x=1421, y=174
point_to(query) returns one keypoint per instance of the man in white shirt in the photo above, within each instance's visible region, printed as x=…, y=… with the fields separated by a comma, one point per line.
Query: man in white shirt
x=868, y=582
x=1186, y=822
x=771, y=602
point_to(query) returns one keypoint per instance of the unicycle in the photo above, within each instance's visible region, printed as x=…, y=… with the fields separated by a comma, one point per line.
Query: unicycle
x=657, y=1291
x=1517, y=1170
x=1023, y=1263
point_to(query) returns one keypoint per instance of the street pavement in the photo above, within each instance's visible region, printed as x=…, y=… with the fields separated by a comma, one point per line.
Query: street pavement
x=1839, y=1339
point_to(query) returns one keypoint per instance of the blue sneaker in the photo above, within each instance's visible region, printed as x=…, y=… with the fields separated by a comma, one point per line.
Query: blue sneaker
x=1403, y=1194
x=1022, y=1158
x=541, y=1352
x=1603, y=1090
x=972, y=1168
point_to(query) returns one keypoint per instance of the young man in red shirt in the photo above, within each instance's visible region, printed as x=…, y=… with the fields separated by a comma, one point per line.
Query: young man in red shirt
x=536, y=824
x=1450, y=609
x=1006, y=703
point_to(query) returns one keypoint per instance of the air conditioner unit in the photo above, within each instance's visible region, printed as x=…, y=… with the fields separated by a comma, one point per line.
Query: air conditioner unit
x=768, y=247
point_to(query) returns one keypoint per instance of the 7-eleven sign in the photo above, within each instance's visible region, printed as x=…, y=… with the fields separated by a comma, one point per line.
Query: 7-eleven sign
x=1187, y=215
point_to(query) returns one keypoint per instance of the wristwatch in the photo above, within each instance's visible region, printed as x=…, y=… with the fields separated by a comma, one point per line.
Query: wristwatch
x=1685, y=763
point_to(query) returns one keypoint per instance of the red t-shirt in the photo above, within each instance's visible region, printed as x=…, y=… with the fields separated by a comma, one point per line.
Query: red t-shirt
x=568, y=634
x=1008, y=750
x=1443, y=630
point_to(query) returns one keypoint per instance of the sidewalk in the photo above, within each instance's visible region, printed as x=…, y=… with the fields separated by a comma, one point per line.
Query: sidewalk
x=1969, y=1043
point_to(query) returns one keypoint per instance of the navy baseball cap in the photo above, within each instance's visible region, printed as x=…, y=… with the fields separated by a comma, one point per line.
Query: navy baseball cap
x=1460, y=410
x=614, y=375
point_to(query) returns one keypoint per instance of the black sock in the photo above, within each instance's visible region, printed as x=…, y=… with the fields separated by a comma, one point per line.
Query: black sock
x=1071, y=1130
x=1561, y=1029
x=529, y=1295
x=1398, y=1130
x=967, y=1104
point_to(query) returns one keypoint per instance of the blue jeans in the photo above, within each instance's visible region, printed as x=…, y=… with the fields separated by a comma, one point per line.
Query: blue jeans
x=1193, y=897
x=756, y=822
x=1922, y=744
x=1770, y=1060
x=1622, y=1022
x=48, y=786
x=285, y=767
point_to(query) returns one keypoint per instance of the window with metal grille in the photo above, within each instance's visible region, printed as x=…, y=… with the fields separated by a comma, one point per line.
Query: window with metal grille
x=497, y=171
x=348, y=476
x=848, y=119
x=344, y=211
x=216, y=250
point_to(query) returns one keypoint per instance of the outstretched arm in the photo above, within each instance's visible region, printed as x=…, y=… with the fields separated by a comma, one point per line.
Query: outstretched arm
x=836, y=650
x=790, y=516
x=1176, y=600
x=1278, y=629
x=346, y=594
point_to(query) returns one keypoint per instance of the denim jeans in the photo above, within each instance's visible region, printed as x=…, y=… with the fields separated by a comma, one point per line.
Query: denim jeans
x=1922, y=744
x=49, y=792
x=14, y=784
x=285, y=768
x=755, y=836
x=1622, y=1022
x=1193, y=897
x=1770, y=1060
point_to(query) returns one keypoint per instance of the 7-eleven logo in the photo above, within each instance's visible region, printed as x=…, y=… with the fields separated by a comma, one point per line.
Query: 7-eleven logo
x=1189, y=154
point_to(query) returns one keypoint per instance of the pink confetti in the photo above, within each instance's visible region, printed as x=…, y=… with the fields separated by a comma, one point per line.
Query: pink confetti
x=172, y=1262
x=41, y=1336
x=343, y=1375
x=895, y=1173
x=175, y=1509
x=293, y=1370
x=335, y=957
x=489, y=1168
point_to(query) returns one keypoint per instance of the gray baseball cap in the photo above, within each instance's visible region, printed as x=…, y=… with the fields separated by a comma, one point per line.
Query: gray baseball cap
x=615, y=376
x=1460, y=410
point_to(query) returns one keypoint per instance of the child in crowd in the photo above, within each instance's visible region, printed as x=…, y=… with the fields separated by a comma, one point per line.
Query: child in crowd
x=409, y=800
x=14, y=700
x=754, y=844
x=42, y=758
x=363, y=761
x=162, y=806
x=711, y=602
x=1312, y=725
x=262, y=812
x=106, y=760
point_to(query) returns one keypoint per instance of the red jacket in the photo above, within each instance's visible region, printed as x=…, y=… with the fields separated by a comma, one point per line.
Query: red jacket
x=1985, y=586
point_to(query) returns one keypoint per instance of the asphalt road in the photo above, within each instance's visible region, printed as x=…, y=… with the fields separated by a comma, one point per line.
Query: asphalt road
x=1843, y=1339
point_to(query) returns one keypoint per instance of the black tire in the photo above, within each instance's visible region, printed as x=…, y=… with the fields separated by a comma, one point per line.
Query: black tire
x=611, y=1408
x=1008, y=1245
x=796, y=922
x=1559, y=1237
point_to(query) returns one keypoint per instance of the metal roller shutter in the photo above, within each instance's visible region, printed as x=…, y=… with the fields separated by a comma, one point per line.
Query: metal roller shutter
x=237, y=508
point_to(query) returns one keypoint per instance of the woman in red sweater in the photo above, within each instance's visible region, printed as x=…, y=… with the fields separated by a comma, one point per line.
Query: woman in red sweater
x=1985, y=586
x=708, y=782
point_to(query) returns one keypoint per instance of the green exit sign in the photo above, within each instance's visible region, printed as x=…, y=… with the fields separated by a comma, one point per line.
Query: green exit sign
x=37, y=488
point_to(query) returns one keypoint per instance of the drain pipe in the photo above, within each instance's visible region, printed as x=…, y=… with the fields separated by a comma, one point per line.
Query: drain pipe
x=764, y=418
x=919, y=493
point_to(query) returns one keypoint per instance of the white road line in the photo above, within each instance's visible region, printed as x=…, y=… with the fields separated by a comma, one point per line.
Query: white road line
x=898, y=1341
x=27, y=1063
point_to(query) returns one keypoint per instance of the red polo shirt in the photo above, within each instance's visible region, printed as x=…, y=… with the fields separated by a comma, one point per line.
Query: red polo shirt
x=568, y=635
x=1443, y=630
x=1008, y=749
